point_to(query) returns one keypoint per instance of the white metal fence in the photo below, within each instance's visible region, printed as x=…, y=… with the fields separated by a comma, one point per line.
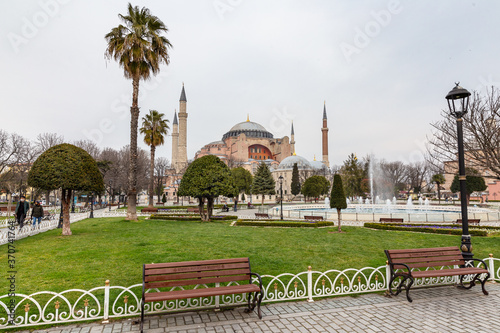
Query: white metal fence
x=414, y=214
x=102, y=303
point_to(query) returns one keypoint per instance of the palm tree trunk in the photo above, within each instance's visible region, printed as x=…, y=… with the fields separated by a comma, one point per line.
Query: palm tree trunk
x=132, y=175
x=439, y=194
x=151, y=176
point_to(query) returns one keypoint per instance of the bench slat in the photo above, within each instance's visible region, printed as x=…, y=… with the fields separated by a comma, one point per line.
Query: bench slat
x=436, y=264
x=449, y=272
x=425, y=254
x=175, y=283
x=432, y=249
x=203, y=292
x=201, y=268
x=427, y=259
x=195, y=275
x=196, y=263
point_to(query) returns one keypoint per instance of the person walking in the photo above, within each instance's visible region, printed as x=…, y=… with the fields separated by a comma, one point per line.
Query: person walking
x=22, y=208
x=37, y=214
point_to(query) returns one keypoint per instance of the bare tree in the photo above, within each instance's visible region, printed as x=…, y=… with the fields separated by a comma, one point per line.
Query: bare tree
x=481, y=126
x=416, y=175
x=161, y=165
x=11, y=147
x=394, y=173
x=90, y=147
x=45, y=141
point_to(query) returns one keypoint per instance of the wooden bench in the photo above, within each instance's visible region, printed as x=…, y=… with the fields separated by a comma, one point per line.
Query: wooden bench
x=210, y=276
x=313, y=218
x=389, y=220
x=193, y=210
x=402, y=263
x=47, y=215
x=262, y=216
x=471, y=221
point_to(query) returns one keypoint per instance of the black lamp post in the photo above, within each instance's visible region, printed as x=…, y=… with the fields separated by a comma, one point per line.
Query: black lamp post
x=109, y=201
x=91, y=206
x=458, y=102
x=73, y=203
x=280, y=178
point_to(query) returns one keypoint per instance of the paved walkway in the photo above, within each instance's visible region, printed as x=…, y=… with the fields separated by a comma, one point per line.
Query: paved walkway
x=441, y=309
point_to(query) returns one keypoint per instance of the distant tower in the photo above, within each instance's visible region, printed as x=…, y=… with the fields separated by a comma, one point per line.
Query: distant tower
x=292, y=141
x=175, y=141
x=182, y=151
x=324, y=131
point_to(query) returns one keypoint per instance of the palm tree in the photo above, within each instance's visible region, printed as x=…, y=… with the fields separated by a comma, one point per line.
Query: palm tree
x=139, y=47
x=439, y=180
x=154, y=128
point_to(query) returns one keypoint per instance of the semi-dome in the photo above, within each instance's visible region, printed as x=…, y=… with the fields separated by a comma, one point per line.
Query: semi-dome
x=288, y=163
x=250, y=129
x=318, y=165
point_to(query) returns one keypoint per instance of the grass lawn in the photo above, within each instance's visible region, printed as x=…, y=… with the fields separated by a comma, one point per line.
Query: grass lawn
x=111, y=248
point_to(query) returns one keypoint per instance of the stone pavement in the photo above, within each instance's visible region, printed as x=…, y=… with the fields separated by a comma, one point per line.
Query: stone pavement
x=439, y=309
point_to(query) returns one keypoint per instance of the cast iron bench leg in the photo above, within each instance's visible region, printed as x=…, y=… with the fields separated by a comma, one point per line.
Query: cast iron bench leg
x=408, y=290
x=142, y=314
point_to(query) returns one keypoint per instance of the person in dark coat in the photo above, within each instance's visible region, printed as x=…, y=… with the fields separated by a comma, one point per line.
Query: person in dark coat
x=37, y=214
x=22, y=209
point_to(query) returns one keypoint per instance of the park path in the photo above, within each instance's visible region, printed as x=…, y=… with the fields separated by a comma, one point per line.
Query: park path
x=439, y=309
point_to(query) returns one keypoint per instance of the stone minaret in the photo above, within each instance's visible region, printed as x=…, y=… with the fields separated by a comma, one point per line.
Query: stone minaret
x=324, y=131
x=292, y=141
x=175, y=141
x=182, y=151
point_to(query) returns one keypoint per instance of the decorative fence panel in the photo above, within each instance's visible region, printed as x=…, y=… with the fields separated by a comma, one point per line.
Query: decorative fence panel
x=106, y=302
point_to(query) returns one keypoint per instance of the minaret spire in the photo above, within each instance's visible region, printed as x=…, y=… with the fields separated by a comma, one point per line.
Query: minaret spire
x=182, y=151
x=324, y=131
x=292, y=141
x=175, y=141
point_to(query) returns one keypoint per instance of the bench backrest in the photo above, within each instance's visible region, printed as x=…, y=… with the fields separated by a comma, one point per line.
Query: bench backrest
x=430, y=257
x=385, y=219
x=190, y=273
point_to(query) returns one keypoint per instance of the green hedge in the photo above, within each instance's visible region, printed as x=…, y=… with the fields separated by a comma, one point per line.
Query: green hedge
x=278, y=223
x=424, y=229
x=190, y=218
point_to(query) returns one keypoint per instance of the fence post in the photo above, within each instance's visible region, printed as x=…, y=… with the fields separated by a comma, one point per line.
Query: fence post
x=309, y=285
x=105, y=318
x=491, y=267
x=387, y=274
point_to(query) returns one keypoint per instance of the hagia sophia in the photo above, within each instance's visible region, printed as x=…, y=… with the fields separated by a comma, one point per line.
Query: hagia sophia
x=247, y=144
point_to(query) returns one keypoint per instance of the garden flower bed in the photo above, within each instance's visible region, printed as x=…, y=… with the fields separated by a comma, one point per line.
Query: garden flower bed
x=434, y=228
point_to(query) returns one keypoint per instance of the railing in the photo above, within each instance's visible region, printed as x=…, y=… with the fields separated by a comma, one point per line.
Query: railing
x=415, y=214
x=103, y=303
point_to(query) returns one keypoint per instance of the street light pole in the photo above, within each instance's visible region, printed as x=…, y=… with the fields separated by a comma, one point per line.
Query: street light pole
x=91, y=206
x=281, y=196
x=109, y=202
x=458, y=103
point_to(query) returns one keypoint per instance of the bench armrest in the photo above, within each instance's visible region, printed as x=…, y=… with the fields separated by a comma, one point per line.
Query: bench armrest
x=393, y=270
x=259, y=278
x=481, y=261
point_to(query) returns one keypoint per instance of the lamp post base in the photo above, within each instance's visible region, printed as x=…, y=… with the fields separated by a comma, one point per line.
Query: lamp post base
x=466, y=247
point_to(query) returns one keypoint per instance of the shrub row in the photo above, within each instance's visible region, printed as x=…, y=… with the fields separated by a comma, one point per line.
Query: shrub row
x=275, y=223
x=189, y=217
x=424, y=229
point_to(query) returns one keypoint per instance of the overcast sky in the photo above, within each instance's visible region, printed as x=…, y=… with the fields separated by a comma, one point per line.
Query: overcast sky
x=383, y=68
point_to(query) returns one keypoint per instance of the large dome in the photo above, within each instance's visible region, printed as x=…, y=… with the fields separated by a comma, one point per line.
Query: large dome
x=288, y=163
x=250, y=129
